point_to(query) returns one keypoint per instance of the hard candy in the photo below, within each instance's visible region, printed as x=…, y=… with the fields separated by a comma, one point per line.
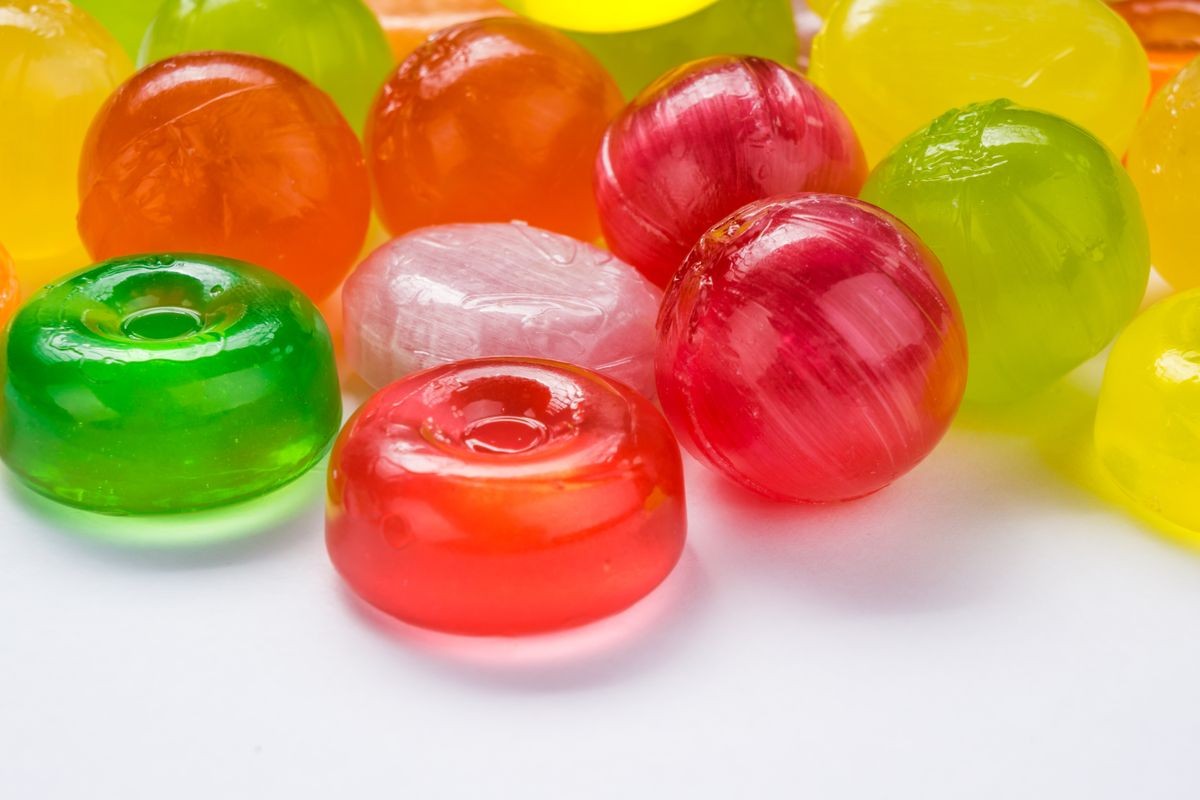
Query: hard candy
x=8, y=288
x=227, y=154
x=1168, y=29
x=452, y=292
x=337, y=44
x=1165, y=167
x=894, y=65
x=161, y=384
x=1039, y=229
x=705, y=140
x=811, y=349
x=637, y=57
x=126, y=20
x=58, y=65
x=491, y=121
x=1148, y=420
x=408, y=23
x=502, y=496
x=606, y=15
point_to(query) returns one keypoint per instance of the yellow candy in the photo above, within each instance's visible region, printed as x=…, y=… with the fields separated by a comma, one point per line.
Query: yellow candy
x=1148, y=422
x=57, y=65
x=1164, y=162
x=894, y=65
x=606, y=15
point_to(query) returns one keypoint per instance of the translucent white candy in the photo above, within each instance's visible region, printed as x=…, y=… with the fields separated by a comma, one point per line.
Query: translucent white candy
x=452, y=292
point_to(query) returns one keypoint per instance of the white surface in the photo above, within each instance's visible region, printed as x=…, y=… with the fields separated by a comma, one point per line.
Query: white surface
x=987, y=628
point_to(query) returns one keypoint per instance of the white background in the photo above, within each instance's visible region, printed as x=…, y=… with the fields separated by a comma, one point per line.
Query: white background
x=992, y=626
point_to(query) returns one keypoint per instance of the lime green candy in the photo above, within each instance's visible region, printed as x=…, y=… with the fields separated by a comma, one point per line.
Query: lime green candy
x=635, y=58
x=1039, y=230
x=337, y=44
x=161, y=384
x=126, y=20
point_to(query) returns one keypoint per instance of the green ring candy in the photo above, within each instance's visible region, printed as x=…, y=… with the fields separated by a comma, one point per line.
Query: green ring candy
x=162, y=384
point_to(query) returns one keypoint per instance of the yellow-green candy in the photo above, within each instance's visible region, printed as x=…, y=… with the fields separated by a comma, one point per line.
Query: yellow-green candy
x=1039, y=230
x=337, y=44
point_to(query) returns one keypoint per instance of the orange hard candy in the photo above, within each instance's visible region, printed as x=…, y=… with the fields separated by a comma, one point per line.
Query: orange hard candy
x=231, y=155
x=408, y=23
x=8, y=288
x=491, y=121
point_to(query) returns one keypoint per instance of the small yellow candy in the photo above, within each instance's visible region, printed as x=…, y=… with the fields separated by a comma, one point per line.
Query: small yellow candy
x=57, y=65
x=1164, y=162
x=1148, y=423
x=894, y=65
x=606, y=15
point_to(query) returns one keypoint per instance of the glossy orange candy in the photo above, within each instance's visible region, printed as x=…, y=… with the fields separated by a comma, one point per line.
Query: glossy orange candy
x=1168, y=29
x=408, y=23
x=8, y=288
x=231, y=155
x=491, y=121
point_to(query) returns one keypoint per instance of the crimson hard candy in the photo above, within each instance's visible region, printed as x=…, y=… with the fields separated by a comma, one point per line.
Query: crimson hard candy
x=705, y=140
x=811, y=349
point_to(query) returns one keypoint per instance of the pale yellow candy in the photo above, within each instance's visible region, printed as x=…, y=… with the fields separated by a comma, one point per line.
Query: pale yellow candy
x=606, y=15
x=1148, y=421
x=895, y=65
x=822, y=7
x=1164, y=160
x=57, y=66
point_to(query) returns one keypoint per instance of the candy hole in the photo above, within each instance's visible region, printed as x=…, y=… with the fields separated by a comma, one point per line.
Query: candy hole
x=162, y=323
x=505, y=435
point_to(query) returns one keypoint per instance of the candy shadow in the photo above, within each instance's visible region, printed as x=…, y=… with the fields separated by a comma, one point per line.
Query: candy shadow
x=257, y=528
x=1059, y=426
x=929, y=543
x=603, y=652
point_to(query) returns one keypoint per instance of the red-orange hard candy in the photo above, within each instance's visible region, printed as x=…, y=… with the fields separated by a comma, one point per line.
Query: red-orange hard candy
x=231, y=155
x=491, y=121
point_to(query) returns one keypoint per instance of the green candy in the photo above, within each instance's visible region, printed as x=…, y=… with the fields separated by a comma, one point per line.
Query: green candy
x=162, y=384
x=126, y=20
x=1040, y=232
x=337, y=44
x=635, y=58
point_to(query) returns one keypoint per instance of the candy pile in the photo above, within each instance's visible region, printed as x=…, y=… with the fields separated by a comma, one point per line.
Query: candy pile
x=599, y=210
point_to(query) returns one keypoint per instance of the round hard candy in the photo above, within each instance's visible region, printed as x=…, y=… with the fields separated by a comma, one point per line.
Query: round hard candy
x=606, y=15
x=894, y=65
x=337, y=44
x=8, y=289
x=705, y=140
x=408, y=23
x=1148, y=420
x=1165, y=166
x=491, y=121
x=127, y=20
x=636, y=58
x=810, y=349
x=1168, y=29
x=58, y=66
x=1039, y=229
x=227, y=154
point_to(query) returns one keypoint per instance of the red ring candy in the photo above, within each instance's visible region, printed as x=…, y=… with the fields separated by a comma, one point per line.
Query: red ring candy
x=505, y=496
